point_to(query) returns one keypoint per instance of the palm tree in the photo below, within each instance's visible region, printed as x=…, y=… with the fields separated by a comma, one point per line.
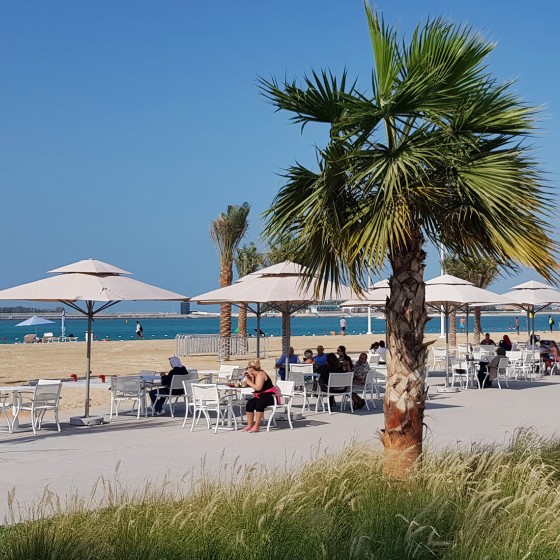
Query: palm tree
x=435, y=151
x=481, y=272
x=248, y=259
x=226, y=232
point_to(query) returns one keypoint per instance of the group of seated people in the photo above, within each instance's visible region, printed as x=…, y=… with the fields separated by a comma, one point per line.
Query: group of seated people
x=549, y=354
x=340, y=362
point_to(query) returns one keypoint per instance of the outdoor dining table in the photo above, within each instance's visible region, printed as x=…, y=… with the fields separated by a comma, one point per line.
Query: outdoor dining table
x=15, y=390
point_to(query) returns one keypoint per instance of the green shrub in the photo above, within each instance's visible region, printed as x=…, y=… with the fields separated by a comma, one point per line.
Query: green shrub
x=483, y=503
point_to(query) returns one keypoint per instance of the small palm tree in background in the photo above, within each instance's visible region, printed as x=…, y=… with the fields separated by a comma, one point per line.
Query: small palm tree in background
x=227, y=231
x=435, y=150
x=479, y=271
x=248, y=259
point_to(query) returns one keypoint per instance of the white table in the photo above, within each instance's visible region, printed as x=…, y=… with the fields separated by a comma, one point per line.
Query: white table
x=15, y=390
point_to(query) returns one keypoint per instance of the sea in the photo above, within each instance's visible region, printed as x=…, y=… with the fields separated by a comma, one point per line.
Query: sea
x=301, y=325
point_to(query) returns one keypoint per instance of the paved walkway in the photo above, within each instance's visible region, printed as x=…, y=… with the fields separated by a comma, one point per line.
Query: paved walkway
x=151, y=449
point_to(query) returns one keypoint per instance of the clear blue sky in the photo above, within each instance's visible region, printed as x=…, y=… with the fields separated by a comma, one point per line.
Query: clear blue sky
x=126, y=127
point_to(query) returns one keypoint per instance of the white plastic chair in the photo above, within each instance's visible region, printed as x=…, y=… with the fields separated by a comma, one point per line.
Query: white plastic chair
x=207, y=399
x=459, y=371
x=167, y=393
x=128, y=389
x=189, y=399
x=503, y=372
x=336, y=381
x=438, y=355
x=287, y=394
x=300, y=388
x=45, y=397
x=373, y=359
x=6, y=406
x=368, y=387
x=228, y=373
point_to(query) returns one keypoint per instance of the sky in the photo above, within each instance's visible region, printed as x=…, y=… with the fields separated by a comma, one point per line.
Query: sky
x=127, y=127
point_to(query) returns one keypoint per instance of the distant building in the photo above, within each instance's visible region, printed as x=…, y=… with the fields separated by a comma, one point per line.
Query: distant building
x=185, y=307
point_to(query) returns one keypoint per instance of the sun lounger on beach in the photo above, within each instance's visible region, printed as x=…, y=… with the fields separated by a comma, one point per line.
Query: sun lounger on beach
x=29, y=338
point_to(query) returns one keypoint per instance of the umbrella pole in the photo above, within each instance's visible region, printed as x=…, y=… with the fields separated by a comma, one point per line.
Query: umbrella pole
x=446, y=316
x=258, y=330
x=88, y=353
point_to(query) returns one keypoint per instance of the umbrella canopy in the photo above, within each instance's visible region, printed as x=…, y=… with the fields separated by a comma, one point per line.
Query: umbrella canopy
x=532, y=297
x=448, y=293
x=376, y=296
x=90, y=281
x=279, y=287
x=34, y=321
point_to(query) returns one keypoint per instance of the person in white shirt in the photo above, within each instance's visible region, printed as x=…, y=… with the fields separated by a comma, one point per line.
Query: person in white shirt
x=342, y=326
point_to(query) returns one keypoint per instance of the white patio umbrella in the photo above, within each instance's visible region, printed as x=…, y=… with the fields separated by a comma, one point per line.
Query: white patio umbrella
x=448, y=293
x=279, y=287
x=533, y=297
x=376, y=296
x=33, y=322
x=90, y=281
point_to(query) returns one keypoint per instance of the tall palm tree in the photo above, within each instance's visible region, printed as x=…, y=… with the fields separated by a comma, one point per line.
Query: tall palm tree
x=227, y=231
x=434, y=151
x=247, y=259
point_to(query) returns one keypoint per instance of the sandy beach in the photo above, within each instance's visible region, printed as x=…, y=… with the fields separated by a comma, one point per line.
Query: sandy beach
x=21, y=363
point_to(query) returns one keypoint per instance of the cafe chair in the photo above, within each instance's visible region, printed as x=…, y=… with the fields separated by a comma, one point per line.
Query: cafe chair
x=339, y=385
x=286, y=389
x=189, y=399
x=45, y=398
x=172, y=393
x=128, y=389
x=206, y=399
x=368, y=388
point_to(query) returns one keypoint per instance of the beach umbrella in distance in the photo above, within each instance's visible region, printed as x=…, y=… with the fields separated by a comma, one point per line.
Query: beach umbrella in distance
x=447, y=293
x=33, y=322
x=280, y=287
x=98, y=286
x=532, y=297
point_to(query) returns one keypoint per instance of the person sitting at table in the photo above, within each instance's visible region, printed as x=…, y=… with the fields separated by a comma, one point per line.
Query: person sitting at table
x=487, y=341
x=551, y=356
x=361, y=369
x=281, y=362
x=505, y=343
x=308, y=356
x=177, y=368
x=382, y=351
x=488, y=371
x=320, y=358
x=264, y=394
x=332, y=365
x=344, y=359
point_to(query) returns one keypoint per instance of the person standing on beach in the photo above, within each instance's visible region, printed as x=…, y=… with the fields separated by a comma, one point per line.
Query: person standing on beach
x=462, y=324
x=139, y=331
x=550, y=323
x=517, y=326
x=342, y=326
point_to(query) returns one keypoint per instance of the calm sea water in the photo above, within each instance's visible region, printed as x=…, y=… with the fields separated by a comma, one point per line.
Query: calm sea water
x=158, y=329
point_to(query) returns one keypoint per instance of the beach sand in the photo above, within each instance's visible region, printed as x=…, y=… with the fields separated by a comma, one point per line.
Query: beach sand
x=21, y=363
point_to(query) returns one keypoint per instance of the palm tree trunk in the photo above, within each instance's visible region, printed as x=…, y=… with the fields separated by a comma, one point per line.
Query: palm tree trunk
x=226, y=276
x=476, y=325
x=453, y=328
x=242, y=320
x=406, y=359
